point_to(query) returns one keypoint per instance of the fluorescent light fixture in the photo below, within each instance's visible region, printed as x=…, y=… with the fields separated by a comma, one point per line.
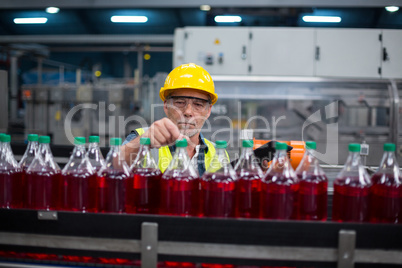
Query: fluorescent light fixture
x=391, y=8
x=205, y=7
x=129, y=19
x=332, y=19
x=52, y=10
x=39, y=20
x=227, y=19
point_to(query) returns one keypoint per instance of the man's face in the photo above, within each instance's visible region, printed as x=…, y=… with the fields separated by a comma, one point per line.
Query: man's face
x=189, y=114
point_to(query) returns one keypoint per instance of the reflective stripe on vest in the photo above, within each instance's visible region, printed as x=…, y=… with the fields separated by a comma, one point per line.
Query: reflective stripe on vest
x=165, y=156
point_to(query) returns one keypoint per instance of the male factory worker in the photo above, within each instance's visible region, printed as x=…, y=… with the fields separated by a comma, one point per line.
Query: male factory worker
x=188, y=95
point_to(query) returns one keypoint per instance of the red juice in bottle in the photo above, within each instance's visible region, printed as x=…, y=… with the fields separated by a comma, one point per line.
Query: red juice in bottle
x=112, y=181
x=26, y=160
x=111, y=192
x=180, y=185
x=143, y=191
x=280, y=188
x=79, y=181
x=313, y=198
x=143, y=188
x=218, y=195
x=218, y=187
x=351, y=190
x=248, y=183
x=12, y=183
x=386, y=192
x=179, y=196
x=248, y=192
x=94, y=153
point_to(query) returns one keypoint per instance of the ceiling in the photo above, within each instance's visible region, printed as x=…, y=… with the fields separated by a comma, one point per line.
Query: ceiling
x=91, y=18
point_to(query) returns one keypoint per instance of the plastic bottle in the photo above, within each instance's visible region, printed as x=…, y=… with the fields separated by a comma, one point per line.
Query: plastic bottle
x=11, y=179
x=313, y=187
x=112, y=180
x=280, y=188
x=218, y=185
x=180, y=185
x=386, y=192
x=94, y=153
x=248, y=184
x=26, y=160
x=79, y=180
x=351, y=190
x=143, y=188
x=43, y=179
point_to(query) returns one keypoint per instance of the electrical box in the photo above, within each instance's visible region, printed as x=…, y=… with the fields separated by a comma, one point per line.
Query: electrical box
x=282, y=51
x=391, y=53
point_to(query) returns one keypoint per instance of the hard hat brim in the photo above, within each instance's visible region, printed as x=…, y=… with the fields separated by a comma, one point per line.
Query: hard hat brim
x=165, y=92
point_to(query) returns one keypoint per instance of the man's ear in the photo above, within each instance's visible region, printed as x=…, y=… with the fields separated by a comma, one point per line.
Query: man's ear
x=165, y=108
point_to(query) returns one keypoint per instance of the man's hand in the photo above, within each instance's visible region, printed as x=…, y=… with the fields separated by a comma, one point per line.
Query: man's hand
x=162, y=132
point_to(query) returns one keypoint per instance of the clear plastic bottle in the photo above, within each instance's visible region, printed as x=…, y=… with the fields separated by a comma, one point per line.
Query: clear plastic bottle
x=30, y=152
x=79, y=180
x=11, y=179
x=143, y=188
x=351, y=190
x=180, y=185
x=386, y=192
x=112, y=180
x=94, y=153
x=248, y=184
x=313, y=186
x=43, y=179
x=218, y=185
x=280, y=188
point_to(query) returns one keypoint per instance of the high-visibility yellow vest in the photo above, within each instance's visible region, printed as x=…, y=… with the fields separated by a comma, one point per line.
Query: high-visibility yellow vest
x=165, y=156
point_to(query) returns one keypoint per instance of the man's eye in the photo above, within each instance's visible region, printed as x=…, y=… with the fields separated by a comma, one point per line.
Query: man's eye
x=199, y=104
x=179, y=102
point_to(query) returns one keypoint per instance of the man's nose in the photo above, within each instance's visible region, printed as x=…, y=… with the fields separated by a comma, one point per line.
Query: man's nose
x=188, y=110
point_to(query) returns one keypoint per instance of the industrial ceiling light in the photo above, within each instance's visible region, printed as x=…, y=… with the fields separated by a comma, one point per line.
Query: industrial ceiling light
x=129, y=19
x=331, y=19
x=39, y=20
x=392, y=8
x=227, y=19
x=52, y=10
x=205, y=7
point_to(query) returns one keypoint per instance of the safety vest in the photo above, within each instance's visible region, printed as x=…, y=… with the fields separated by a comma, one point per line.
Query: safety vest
x=165, y=156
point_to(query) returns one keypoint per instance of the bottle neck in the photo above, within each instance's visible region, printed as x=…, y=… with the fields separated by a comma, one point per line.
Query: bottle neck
x=353, y=160
x=93, y=145
x=280, y=161
x=389, y=164
x=144, y=158
x=79, y=151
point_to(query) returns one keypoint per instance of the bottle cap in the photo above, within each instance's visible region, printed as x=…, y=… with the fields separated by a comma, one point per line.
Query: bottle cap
x=92, y=139
x=79, y=140
x=181, y=143
x=145, y=141
x=221, y=144
x=1, y=136
x=32, y=137
x=44, y=139
x=6, y=138
x=281, y=146
x=248, y=143
x=311, y=145
x=389, y=147
x=354, y=147
x=115, y=141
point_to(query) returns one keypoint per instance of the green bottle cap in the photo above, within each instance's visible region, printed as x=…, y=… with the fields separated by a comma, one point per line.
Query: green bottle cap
x=281, y=146
x=1, y=136
x=181, y=143
x=354, y=147
x=221, y=144
x=115, y=141
x=79, y=140
x=32, y=137
x=248, y=143
x=6, y=138
x=92, y=139
x=311, y=145
x=44, y=139
x=389, y=147
x=145, y=141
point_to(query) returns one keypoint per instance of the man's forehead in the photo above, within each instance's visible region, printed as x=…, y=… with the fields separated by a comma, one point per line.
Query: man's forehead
x=189, y=93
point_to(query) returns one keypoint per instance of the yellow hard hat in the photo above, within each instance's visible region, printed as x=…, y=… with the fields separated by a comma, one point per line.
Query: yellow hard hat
x=189, y=76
